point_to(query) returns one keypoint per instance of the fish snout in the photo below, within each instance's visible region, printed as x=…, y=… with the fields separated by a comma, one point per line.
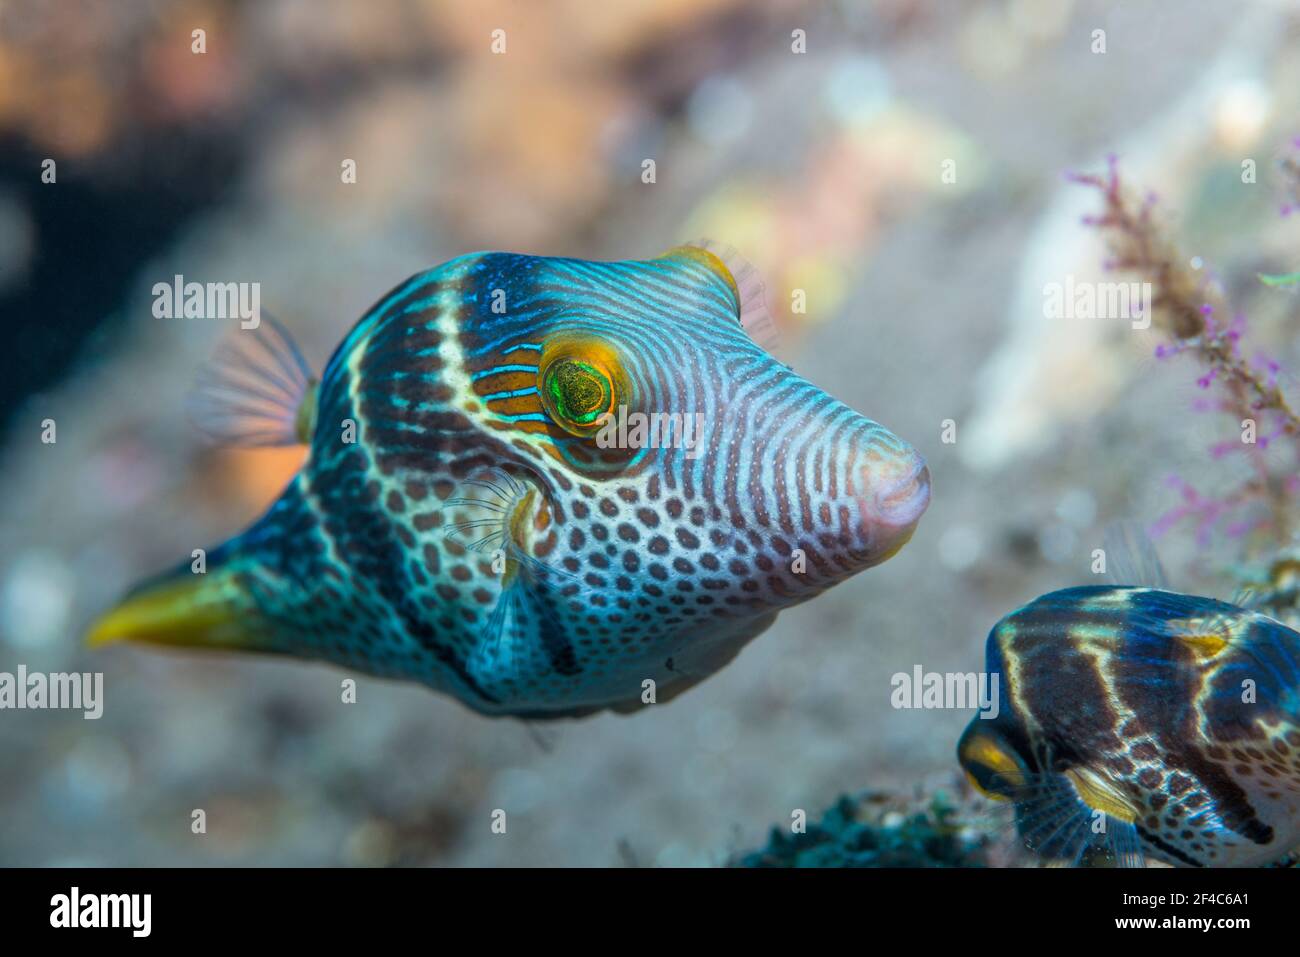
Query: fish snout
x=896, y=497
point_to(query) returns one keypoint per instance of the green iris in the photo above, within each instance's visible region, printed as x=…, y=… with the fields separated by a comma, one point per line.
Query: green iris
x=579, y=393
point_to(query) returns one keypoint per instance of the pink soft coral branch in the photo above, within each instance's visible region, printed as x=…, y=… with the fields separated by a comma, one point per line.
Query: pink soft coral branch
x=1186, y=309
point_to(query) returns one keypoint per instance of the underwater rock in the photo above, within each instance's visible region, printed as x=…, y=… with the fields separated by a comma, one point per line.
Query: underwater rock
x=870, y=830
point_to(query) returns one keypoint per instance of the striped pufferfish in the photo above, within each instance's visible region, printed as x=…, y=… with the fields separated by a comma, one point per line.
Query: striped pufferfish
x=1137, y=723
x=465, y=517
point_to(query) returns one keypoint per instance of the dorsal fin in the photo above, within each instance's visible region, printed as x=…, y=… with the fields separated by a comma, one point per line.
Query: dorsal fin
x=257, y=390
x=1131, y=556
x=751, y=292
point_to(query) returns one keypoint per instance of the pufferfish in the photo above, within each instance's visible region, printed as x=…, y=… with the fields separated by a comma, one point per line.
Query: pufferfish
x=481, y=509
x=1138, y=722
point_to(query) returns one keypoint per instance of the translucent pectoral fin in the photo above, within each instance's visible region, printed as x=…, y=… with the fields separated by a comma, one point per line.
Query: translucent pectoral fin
x=1074, y=819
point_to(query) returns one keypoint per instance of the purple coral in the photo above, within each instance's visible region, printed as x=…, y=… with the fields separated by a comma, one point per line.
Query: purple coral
x=1187, y=308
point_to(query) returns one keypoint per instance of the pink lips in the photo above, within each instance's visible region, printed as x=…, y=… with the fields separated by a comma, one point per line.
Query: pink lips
x=899, y=503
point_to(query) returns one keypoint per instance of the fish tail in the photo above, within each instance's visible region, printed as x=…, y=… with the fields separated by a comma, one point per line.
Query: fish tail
x=184, y=609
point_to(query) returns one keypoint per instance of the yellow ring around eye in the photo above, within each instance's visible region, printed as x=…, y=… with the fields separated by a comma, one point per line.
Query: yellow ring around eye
x=988, y=764
x=580, y=381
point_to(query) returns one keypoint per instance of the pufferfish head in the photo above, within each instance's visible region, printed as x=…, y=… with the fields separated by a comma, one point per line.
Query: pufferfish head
x=670, y=454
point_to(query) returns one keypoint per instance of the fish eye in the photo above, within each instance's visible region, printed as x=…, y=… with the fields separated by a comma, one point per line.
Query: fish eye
x=992, y=766
x=579, y=392
x=580, y=382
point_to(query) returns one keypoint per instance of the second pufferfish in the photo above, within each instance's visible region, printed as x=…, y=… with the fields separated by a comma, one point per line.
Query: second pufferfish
x=460, y=522
x=1137, y=723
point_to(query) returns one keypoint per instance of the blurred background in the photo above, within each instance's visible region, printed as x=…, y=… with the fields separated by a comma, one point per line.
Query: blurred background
x=825, y=168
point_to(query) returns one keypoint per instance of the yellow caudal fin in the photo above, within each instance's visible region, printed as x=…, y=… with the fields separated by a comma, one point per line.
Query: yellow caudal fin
x=183, y=610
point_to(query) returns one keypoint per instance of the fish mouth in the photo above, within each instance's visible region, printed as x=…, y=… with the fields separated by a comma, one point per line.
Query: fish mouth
x=899, y=503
